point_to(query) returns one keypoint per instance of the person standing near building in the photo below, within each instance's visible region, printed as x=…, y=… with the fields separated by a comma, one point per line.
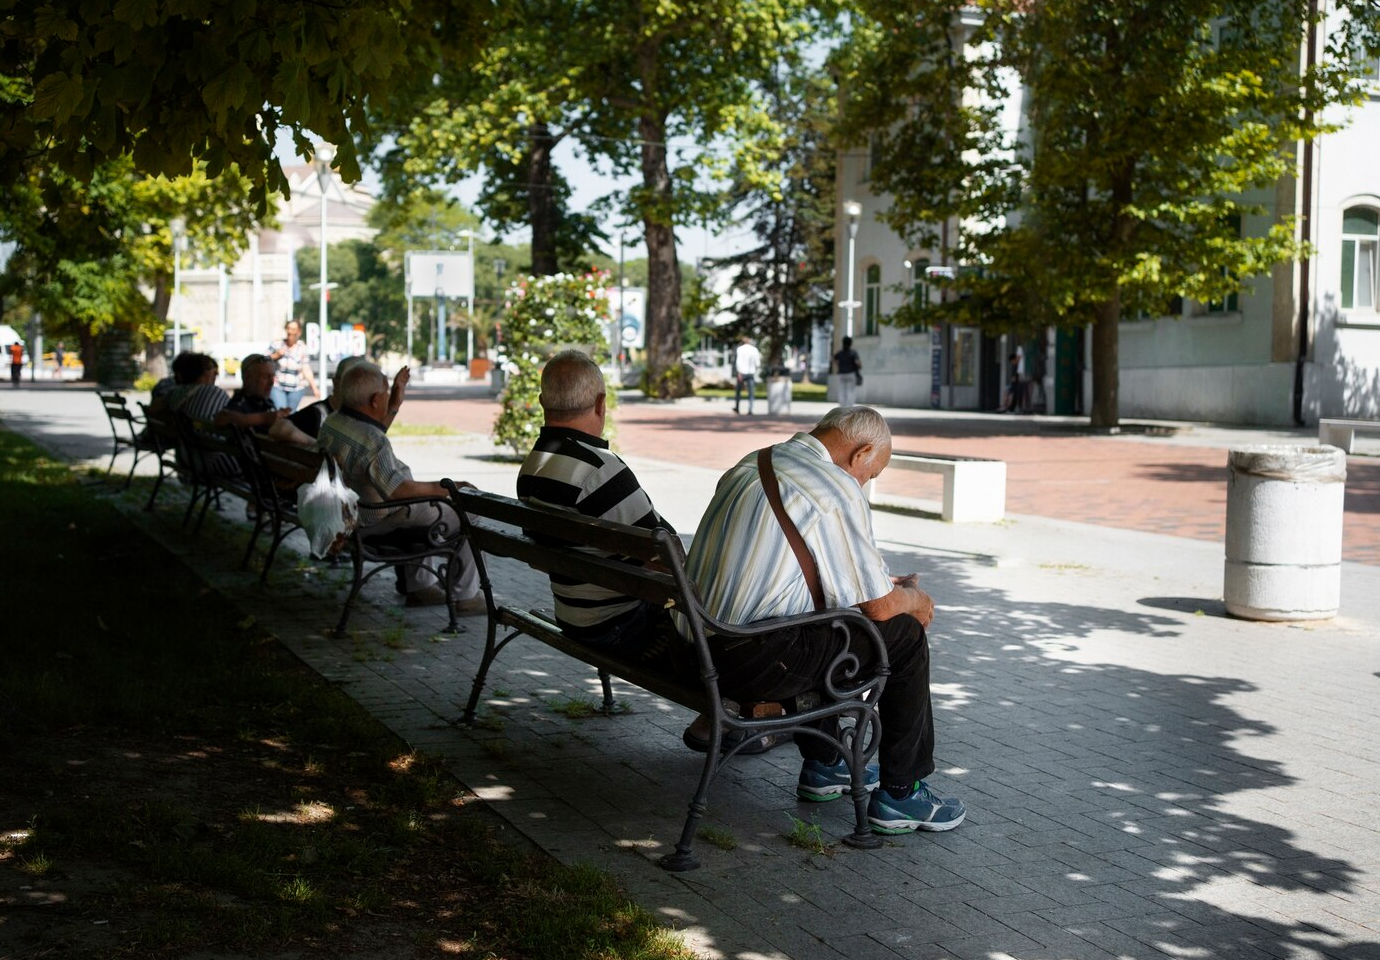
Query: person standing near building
x=294, y=367
x=747, y=362
x=16, y=350
x=1015, y=388
x=848, y=365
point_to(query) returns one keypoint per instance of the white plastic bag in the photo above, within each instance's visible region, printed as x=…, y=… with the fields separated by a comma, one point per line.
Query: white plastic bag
x=328, y=510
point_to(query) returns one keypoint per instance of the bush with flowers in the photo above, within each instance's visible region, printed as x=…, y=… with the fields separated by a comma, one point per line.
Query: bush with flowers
x=542, y=316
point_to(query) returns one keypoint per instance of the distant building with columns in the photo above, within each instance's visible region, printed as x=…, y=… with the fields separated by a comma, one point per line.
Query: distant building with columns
x=248, y=304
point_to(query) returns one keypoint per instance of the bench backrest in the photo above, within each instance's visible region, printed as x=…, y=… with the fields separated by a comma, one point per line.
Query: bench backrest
x=290, y=466
x=161, y=427
x=117, y=408
x=496, y=525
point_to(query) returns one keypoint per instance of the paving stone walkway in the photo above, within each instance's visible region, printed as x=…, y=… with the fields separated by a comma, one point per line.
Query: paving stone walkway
x=1145, y=777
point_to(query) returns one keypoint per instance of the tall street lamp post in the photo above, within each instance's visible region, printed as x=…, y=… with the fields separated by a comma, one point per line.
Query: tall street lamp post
x=853, y=209
x=474, y=286
x=500, y=267
x=178, y=226
x=325, y=153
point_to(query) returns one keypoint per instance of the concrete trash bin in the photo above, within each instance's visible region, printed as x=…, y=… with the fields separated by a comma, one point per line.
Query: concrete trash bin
x=1284, y=532
x=778, y=395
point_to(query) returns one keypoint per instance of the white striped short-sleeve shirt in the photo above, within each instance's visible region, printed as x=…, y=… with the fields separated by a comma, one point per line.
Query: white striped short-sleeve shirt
x=741, y=561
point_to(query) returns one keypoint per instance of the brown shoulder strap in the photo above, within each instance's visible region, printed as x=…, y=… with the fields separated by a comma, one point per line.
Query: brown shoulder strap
x=802, y=553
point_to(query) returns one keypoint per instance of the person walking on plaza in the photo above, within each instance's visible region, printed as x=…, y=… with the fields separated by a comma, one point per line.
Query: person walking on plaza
x=354, y=435
x=16, y=351
x=848, y=365
x=746, y=570
x=1015, y=387
x=58, y=356
x=294, y=367
x=747, y=361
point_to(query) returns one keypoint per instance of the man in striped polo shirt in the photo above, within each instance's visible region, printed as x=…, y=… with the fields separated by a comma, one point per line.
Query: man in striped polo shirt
x=746, y=571
x=572, y=468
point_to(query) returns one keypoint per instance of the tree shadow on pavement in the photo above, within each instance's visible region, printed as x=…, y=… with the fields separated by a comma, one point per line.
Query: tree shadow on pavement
x=1196, y=606
x=1112, y=809
x=74, y=443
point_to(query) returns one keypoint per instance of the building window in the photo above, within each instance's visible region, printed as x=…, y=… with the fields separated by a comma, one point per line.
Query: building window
x=874, y=154
x=1232, y=304
x=921, y=293
x=1360, y=232
x=1224, y=33
x=872, y=300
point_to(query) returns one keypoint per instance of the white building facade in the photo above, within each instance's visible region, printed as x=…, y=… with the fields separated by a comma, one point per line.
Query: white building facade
x=1259, y=357
x=250, y=302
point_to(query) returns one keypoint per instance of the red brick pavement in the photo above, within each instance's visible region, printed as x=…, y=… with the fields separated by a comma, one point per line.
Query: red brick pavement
x=1125, y=482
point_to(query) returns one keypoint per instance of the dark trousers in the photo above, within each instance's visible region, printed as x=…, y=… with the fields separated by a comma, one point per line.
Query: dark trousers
x=786, y=663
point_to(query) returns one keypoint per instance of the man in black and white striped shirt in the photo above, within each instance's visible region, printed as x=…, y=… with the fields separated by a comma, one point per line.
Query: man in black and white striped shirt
x=572, y=468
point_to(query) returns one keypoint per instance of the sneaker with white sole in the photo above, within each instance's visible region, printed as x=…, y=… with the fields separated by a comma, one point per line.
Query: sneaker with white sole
x=918, y=810
x=820, y=782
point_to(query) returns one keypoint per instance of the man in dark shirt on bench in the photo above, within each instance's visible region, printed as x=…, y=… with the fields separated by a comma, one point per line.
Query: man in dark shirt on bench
x=572, y=468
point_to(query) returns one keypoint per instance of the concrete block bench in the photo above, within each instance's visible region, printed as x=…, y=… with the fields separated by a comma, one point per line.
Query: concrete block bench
x=974, y=488
x=1342, y=433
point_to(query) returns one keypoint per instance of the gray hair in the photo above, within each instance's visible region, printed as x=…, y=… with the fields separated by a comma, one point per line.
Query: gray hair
x=252, y=361
x=343, y=367
x=857, y=425
x=359, y=383
x=570, y=383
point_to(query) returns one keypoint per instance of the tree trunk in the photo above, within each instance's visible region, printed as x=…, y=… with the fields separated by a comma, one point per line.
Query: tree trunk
x=88, y=354
x=541, y=198
x=155, y=362
x=663, y=271
x=1106, y=364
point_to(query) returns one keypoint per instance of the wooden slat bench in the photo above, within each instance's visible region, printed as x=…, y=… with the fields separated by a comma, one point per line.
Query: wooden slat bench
x=974, y=488
x=683, y=671
x=126, y=433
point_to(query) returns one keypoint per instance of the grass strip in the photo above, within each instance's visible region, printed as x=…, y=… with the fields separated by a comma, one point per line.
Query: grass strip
x=182, y=783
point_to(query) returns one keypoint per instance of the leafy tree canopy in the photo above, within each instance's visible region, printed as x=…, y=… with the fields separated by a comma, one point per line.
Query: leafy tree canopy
x=1144, y=166
x=784, y=284
x=83, y=82
x=88, y=250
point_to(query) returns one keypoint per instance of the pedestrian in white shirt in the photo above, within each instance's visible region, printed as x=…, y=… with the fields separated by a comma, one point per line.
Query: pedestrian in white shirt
x=747, y=362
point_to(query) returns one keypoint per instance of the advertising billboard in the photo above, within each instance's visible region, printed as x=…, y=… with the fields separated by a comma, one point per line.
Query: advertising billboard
x=628, y=306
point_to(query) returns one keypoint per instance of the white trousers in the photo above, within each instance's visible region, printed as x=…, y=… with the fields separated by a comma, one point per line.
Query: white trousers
x=426, y=572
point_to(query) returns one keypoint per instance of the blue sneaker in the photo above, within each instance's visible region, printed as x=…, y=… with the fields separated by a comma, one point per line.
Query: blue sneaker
x=918, y=810
x=820, y=782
